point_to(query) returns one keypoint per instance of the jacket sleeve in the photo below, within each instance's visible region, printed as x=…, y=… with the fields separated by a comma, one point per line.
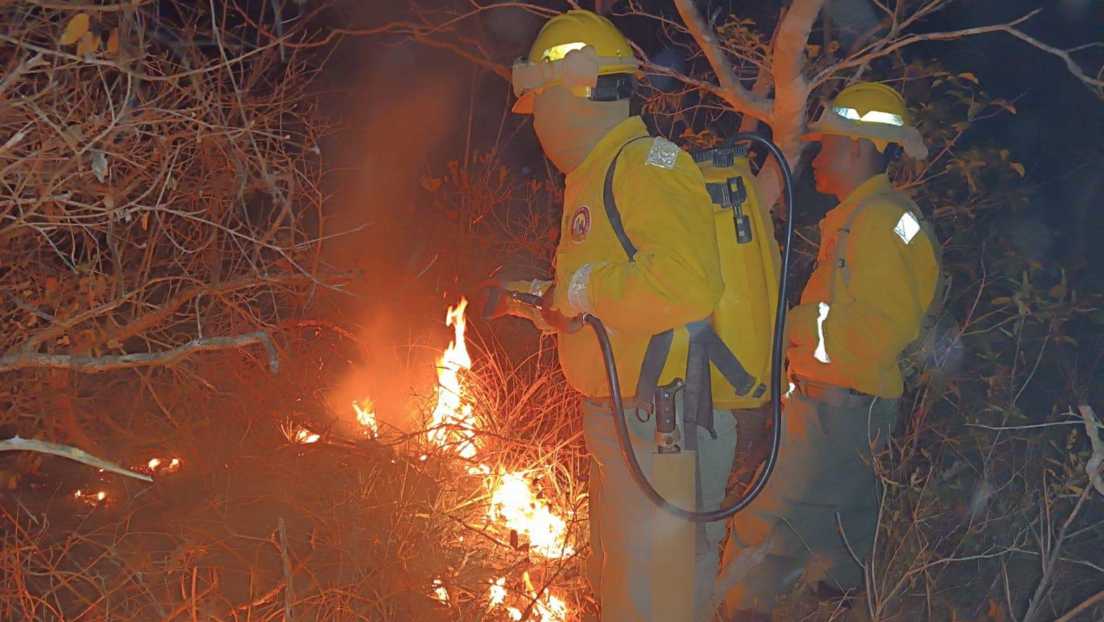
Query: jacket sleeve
x=884, y=307
x=675, y=277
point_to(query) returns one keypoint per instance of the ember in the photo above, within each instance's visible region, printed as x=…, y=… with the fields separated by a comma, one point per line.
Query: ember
x=298, y=435
x=92, y=499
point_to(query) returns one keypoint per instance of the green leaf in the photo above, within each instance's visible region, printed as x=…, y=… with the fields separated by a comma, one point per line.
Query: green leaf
x=1019, y=168
x=969, y=76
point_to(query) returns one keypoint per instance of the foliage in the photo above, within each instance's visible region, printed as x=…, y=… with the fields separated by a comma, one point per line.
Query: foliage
x=157, y=195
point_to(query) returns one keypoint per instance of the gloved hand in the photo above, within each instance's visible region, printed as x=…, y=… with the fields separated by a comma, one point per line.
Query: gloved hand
x=515, y=279
x=554, y=317
x=801, y=324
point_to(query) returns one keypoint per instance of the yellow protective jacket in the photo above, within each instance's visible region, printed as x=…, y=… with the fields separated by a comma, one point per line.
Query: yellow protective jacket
x=854, y=340
x=675, y=277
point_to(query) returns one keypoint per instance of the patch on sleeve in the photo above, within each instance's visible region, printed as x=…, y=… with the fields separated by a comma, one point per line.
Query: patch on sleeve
x=663, y=153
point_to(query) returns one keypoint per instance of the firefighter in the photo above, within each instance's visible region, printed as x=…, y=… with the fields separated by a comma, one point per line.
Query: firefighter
x=577, y=82
x=875, y=280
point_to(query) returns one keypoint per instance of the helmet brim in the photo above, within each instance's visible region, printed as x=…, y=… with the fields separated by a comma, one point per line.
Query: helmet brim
x=524, y=104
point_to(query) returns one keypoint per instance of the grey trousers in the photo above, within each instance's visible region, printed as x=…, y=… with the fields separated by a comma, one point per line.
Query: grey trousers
x=823, y=483
x=621, y=523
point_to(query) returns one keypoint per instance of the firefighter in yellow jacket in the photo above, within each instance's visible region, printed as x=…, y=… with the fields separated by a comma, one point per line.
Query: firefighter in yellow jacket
x=576, y=83
x=875, y=280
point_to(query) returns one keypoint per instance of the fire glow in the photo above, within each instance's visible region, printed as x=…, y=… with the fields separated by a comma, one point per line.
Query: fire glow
x=366, y=417
x=513, y=506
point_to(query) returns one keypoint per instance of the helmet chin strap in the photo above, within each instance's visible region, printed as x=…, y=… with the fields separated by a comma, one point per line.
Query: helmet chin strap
x=569, y=127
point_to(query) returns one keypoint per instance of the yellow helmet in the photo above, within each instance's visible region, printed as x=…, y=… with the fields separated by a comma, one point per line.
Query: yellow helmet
x=575, y=50
x=872, y=111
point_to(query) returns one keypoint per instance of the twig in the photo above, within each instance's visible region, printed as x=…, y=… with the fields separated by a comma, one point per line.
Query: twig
x=95, y=364
x=1092, y=430
x=1050, y=562
x=65, y=451
x=288, y=596
x=1099, y=596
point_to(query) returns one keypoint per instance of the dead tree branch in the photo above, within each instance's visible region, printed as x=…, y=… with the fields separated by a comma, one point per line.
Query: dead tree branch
x=97, y=364
x=732, y=91
x=72, y=453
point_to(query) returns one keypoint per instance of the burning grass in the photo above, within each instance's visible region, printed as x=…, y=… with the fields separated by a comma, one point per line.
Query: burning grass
x=477, y=515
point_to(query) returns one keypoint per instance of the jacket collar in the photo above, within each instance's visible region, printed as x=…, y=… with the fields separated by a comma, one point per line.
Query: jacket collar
x=604, y=151
x=877, y=184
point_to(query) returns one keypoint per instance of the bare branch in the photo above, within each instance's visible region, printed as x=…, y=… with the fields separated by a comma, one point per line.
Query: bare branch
x=1095, y=464
x=884, y=48
x=65, y=451
x=734, y=93
x=1079, y=609
x=95, y=364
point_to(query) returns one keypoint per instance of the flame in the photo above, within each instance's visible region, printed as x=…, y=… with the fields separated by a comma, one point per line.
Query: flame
x=497, y=593
x=550, y=608
x=514, y=502
x=453, y=422
x=366, y=417
x=154, y=463
x=453, y=425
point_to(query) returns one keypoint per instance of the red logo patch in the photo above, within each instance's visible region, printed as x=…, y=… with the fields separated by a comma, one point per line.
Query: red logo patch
x=580, y=224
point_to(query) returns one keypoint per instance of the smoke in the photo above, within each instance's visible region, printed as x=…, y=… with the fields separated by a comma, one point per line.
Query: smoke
x=400, y=111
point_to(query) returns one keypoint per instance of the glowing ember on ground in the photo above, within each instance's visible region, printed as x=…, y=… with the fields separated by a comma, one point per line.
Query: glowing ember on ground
x=439, y=592
x=92, y=499
x=513, y=501
x=298, y=435
x=366, y=417
x=453, y=424
x=305, y=437
x=160, y=466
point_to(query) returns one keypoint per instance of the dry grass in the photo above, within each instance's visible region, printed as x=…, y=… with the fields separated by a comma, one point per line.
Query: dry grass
x=370, y=525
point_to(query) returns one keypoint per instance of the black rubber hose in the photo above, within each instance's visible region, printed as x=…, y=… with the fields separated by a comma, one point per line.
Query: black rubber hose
x=777, y=355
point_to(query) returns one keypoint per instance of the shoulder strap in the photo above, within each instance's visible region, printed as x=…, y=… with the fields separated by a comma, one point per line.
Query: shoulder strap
x=839, y=264
x=610, y=203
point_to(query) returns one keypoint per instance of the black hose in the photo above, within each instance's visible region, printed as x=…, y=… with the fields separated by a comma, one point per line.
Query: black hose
x=777, y=353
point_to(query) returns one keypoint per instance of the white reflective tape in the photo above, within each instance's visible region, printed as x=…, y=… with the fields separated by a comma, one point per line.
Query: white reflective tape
x=793, y=387
x=907, y=227
x=557, y=52
x=873, y=116
x=821, y=353
x=577, y=295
